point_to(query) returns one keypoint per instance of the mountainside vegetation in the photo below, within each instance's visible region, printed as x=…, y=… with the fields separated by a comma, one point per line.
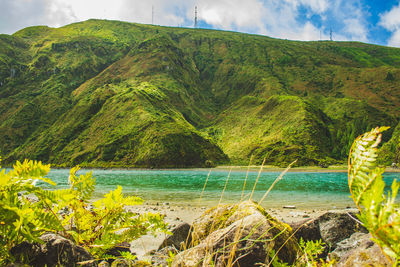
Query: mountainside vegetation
x=115, y=94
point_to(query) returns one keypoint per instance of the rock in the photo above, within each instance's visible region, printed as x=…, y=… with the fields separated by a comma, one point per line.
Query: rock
x=129, y=263
x=160, y=257
x=358, y=250
x=104, y=264
x=289, y=207
x=55, y=251
x=181, y=235
x=331, y=227
x=141, y=264
x=308, y=230
x=335, y=227
x=117, y=249
x=354, y=241
x=243, y=235
x=122, y=263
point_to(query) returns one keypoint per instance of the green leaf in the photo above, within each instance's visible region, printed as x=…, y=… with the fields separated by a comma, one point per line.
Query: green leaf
x=380, y=213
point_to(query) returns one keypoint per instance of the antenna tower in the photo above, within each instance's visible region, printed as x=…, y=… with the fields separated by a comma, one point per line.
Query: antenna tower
x=331, y=34
x=152, y=14
x=195, y=16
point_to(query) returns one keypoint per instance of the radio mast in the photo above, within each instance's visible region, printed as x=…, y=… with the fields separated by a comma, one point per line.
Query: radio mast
x=195, y=17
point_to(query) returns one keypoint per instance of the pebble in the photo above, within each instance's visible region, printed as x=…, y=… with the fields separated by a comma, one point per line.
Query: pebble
x=289, y=207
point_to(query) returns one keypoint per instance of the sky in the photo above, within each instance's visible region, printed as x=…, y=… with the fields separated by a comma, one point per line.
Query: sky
x=373, y=21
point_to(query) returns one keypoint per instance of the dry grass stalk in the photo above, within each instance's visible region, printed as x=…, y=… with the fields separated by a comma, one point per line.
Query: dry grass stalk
x=210, y=255
x=258, y=177
x=277, y=180
x=205, y=184
x=247, y=175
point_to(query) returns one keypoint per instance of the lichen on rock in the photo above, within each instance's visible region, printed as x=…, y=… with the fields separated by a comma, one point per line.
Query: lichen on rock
x=243, y=234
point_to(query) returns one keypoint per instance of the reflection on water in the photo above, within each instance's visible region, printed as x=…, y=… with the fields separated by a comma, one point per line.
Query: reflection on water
x=303, y=189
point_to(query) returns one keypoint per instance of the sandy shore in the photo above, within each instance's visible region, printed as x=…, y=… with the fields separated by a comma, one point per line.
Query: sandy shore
x=176, y=214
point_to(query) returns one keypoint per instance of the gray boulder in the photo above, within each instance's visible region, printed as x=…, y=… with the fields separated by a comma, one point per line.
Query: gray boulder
x=104, y=264
x=335, y=227
x=161, y=256
x=122, y=263
x=358, y=250
x=118, y=249
x=239, y=235
x=55, y=251
x=354, y=241
x=330, y=227
x=181, y=236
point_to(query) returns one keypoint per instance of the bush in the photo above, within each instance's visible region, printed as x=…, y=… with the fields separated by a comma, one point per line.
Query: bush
x=27, y=211
x=379, y=212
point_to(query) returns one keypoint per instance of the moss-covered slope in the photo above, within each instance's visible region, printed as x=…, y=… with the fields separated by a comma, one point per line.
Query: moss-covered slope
x=110, y=93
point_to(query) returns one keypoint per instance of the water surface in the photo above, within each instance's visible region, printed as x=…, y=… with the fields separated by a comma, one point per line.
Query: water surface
x=302, y=189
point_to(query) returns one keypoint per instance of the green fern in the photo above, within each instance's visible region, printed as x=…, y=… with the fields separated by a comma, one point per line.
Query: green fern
x=83, y=185
x=97, y=226
x=380, y=213
x=20, y=217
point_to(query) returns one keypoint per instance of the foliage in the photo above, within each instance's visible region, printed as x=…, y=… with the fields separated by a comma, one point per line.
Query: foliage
x=21, y=218
x=27, y=211
x=100, y=225
x=311, y=251
x=380, y=213
x=171, y=256
x=114, y=94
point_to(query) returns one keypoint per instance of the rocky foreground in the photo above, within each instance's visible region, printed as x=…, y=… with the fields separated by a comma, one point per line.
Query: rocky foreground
x=242, y=234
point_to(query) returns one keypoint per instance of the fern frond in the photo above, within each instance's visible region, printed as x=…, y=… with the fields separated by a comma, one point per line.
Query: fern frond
x=379, y=213
x=84, y=185
x=362, y=160
x=97, y=227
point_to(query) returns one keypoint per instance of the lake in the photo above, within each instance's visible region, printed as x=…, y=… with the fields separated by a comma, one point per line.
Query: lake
x=302, y=189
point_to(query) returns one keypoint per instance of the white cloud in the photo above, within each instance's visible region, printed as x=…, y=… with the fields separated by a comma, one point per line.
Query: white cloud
x=352, y=17
x=391, y=19
x=355, y=29
x=391, y=22
x=395, y=39
x=232, y=14
x=316, y=6
x=18, y=14
x=288, y=19
x=141, y=12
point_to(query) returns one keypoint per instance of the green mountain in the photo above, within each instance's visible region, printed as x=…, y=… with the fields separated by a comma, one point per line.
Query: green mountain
x=115, y=94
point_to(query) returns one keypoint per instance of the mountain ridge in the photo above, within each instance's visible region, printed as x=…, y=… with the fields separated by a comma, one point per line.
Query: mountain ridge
x=116, y=94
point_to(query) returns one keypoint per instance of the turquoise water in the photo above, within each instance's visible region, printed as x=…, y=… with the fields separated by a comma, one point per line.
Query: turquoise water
x=302, y=189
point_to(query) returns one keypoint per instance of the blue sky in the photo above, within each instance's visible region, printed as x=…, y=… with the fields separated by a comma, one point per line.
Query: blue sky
x=374, y=21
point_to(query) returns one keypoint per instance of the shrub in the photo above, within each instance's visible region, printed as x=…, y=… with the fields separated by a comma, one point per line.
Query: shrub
x=379, y=212
x=27, y=211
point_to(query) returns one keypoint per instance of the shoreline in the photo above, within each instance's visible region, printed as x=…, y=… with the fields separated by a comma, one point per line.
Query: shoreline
x=233, y=168
x=178, y=213
x=266, y=169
